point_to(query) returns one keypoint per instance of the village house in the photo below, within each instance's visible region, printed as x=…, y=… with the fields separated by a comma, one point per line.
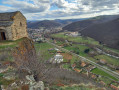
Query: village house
x=58, y=58
x=13, y=26
x=73, y=34
x=77, y=70
x=90, y=67
x=103, y=83
x=73, y=66
x=114, y=87
x=102, y=61
x=83, y=64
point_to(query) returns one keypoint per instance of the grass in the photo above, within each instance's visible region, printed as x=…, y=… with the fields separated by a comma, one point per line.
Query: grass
x=109, y=59
x=80, y=87
x=102, y=73
x=76, y=39
x=106, y=80
x=114, y=50
x=81, y=49
x=67, y=66
x=43, y=49
x=4, y=81
x=9, y=43
x=81, y=39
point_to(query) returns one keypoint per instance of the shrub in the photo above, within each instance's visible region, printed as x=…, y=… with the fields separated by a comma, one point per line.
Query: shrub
x=76, y=50
x=86, y=50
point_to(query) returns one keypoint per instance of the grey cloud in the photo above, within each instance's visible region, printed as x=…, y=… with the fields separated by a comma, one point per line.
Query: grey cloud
x=24, y=6
x=41, y=8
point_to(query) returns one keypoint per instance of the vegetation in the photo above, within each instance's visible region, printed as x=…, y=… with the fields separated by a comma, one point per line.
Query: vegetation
x=102, y=73
x=42, y=48
x=108, y=59
x=4, y=81
x=106, y=80
x=86, y=50
x=11, y=44
x=78, y=87
x=76, y=39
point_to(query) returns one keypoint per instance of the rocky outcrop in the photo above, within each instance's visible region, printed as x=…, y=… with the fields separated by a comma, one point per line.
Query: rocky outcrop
x=33, y=85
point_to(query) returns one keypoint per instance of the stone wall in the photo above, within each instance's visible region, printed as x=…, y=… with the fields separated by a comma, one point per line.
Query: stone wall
x=8, y=32
x=19, y=27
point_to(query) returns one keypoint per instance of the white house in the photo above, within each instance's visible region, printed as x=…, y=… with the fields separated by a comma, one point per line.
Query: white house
x=74, y=34
x=58, y=58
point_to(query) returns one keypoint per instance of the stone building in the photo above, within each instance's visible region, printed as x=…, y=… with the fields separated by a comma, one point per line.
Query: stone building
x=13, y=26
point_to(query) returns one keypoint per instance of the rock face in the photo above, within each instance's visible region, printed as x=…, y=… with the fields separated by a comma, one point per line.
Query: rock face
x=33, y=85
x=24, y=52
x=12, y=26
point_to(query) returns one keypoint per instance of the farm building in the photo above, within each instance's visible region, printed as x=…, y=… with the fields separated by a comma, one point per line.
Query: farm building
x=58, y=58
x=12, y=26
x=73, y=34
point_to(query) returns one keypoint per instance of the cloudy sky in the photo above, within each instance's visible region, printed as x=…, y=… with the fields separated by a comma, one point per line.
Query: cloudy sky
x=60, y=9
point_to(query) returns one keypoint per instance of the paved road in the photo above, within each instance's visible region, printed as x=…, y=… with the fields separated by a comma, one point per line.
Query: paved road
x=115, y=74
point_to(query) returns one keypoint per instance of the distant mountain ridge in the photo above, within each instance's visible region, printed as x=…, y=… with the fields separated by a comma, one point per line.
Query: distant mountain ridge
x=45, y=23
x=51, y=23
x=80, y=25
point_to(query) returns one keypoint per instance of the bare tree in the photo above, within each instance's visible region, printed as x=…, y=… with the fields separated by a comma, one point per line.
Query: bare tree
x=26, y=59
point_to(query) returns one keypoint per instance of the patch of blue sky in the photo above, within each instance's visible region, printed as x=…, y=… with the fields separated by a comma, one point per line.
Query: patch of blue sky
x=1, y=3
x=54, y=7
x=70, y=1
x=29, y=1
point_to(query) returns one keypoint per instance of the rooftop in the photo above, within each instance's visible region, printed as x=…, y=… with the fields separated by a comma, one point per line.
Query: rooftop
x=8, y=16
x=6, y=23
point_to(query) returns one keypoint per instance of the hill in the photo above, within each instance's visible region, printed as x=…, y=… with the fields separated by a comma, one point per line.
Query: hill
x=107, y=33
x=65, y=22
x=51, y=23
x=80, y=25
x=45, y=23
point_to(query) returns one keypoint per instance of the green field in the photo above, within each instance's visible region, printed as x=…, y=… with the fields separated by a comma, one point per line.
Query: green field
x=11, y=44
x=81, y=49
x=80, y=87
x=76, y=39
x=102, y=73
x=83, y=40
x=42, y=48
x=109, y=59
x=114, y=50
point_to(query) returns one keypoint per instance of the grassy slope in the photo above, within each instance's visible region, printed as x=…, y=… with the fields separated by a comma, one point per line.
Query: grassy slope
x=75, y=87
x=77, y=39
x=83, y=39
x=82, y=48
x=109, y=59
x=11, y=44
x=43, y=48
x=102, y=73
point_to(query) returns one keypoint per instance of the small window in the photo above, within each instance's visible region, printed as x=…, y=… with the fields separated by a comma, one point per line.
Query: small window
x=20, y=24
